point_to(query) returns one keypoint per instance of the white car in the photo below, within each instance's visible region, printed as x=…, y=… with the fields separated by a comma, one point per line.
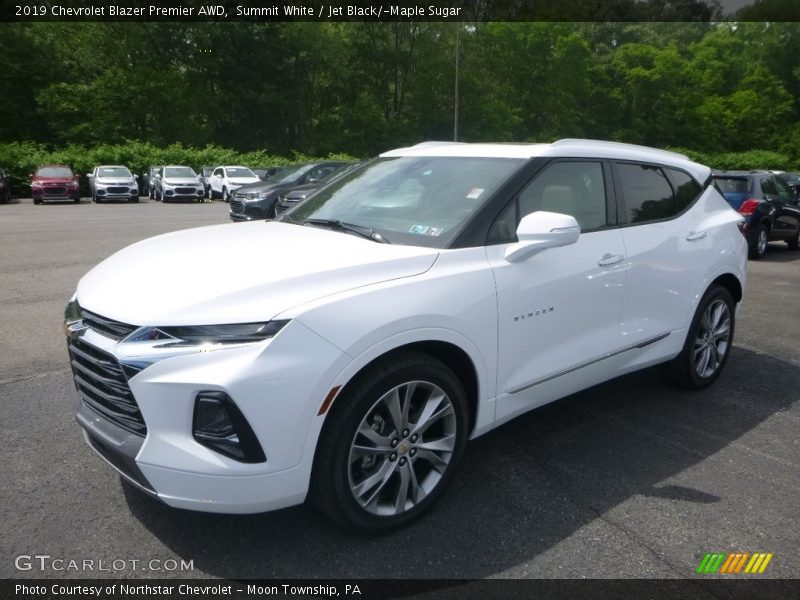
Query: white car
x=226, y=180
x=348, y=350
x=113, y=182
x=175, y=182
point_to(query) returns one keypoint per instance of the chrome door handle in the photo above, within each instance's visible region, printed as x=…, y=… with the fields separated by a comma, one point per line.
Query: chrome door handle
x=695, y=235
x=610, y=259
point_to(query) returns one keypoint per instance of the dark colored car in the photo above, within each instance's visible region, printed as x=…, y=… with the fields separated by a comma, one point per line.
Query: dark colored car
x=266, y=172
x=257, y=200
x=291, y=197
x=768, y=205
x=55, y=182
x=204, y=173
x=793, y=179
x=5, y=187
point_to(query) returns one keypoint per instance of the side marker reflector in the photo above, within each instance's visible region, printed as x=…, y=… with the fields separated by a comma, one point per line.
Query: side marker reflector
x=328, y=400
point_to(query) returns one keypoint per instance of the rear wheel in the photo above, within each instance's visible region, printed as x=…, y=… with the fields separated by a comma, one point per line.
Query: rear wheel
x=759, y=246
x=391, y=443
x=708, y=342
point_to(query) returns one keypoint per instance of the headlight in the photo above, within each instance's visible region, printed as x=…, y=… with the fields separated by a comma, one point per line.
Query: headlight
x=207, y=335
x=266, y=195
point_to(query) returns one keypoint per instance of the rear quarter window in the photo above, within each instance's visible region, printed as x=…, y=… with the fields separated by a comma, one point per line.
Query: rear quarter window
x=686, y=189
x=647, y=193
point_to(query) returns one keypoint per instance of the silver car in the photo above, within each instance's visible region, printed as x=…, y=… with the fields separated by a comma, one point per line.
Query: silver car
x=113, y=182
x=178, y=183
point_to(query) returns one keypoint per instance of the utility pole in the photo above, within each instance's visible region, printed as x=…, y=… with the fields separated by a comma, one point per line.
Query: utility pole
x=455, y=99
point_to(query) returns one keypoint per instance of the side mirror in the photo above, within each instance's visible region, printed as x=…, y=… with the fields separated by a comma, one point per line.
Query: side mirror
x=90, y=175
x=542, y=230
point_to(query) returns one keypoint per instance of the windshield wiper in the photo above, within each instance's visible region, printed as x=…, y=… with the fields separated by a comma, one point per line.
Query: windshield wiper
x=366, y=232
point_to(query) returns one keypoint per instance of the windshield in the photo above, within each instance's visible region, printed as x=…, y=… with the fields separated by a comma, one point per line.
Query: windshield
x=54, y=172
x=417, y=201
x=179, y=172
x=113, y=172
x=240, y=172
x=290, y=173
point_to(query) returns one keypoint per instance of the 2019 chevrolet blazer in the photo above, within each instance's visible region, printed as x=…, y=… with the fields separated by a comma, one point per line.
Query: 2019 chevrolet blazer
x=353, y=346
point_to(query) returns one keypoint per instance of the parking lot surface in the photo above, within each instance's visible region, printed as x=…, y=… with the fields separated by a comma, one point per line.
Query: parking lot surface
x=632, y=478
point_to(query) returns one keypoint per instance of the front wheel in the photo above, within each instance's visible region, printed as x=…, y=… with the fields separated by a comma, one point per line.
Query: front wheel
x=391, y=443
x=794, y=243
x=708, y=342
x=226, y=195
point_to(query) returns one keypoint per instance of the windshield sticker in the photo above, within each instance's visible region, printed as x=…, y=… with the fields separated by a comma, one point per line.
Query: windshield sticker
x=475, y=193
x=419, y=229
x=435, y=231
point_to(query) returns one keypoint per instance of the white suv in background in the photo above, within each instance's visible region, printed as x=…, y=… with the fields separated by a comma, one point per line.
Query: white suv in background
x=225, y=180
x=416, y=303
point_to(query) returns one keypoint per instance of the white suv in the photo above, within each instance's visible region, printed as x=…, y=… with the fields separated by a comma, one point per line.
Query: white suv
x=226, y=180
x=418, y=302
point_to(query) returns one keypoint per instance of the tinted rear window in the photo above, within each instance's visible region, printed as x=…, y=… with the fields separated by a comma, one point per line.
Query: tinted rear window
x=648, y=194
x=732, y=185
x=686, y=188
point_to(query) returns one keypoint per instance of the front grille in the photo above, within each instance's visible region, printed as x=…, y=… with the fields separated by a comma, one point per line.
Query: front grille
x=185, y=190
x=280, y=209
x=237, y=206
x=103, y=386
x=55, y=190
x=107, y=327
x=117, y=190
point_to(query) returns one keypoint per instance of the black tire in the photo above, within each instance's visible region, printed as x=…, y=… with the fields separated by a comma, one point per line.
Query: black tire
x=135, y=200
x=209, y=193
x=94, y=197
x=794, y=243
x=226, y=195
x=758, y=248
x=37, y=200
x=685, y=368
x=332, y=486
x=77, y=200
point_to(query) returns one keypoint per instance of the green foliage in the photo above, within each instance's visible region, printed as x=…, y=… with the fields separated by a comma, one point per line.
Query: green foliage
x=205, y=93
x=743, y=161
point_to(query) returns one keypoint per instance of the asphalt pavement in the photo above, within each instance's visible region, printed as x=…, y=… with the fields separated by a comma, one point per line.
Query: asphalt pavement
x=633, y=478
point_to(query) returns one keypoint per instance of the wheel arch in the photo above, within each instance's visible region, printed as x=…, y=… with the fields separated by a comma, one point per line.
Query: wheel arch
x=731, y=283
x=452, y=355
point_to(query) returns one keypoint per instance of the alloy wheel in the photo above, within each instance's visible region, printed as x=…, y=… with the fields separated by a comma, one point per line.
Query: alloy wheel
x=712, y=338
x=402, y=448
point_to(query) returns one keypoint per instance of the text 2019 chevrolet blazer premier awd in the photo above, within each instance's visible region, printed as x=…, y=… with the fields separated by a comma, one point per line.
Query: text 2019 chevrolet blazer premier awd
x=348, y=351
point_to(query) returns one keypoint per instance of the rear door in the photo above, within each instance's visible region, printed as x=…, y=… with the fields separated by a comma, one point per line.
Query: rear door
x=787, y=213
x=667, y=248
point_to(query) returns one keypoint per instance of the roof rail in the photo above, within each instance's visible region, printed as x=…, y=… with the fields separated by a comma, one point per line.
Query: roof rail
x=579, y=142
x=435, y=143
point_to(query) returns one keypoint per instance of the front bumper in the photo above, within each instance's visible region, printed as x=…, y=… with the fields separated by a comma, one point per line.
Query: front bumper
x=253, y=210
x=181, y=194
x=56, y=195
x=278, y=385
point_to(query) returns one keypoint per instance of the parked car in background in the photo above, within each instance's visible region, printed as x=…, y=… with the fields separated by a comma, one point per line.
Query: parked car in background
x=113, y=182
x=5, y=187
x=55, y=182
x=148, y=181
x=768, y=204
x=348, y=352
x=257, y=201
x=205, y=173
x=178, y=183
x=226, y=180
x=291, y=197
x=266, y=172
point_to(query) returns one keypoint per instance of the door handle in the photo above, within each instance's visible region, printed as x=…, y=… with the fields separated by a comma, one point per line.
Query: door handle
x=610, y=259
x=693, y=236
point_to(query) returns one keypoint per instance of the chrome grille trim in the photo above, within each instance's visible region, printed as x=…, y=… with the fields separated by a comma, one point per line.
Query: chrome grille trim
x=107, y=327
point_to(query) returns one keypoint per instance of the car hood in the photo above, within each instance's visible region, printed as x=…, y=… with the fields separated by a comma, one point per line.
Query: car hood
x=114, y=180
x=263, y=186
x=53, y=180
x=181, y=181
x=239, y=273
x=243, y=180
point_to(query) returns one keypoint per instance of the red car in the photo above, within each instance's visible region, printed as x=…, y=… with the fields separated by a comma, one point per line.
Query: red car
x=55, y=182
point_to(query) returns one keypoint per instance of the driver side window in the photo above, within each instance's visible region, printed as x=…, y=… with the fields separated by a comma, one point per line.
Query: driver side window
x=575, y=188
